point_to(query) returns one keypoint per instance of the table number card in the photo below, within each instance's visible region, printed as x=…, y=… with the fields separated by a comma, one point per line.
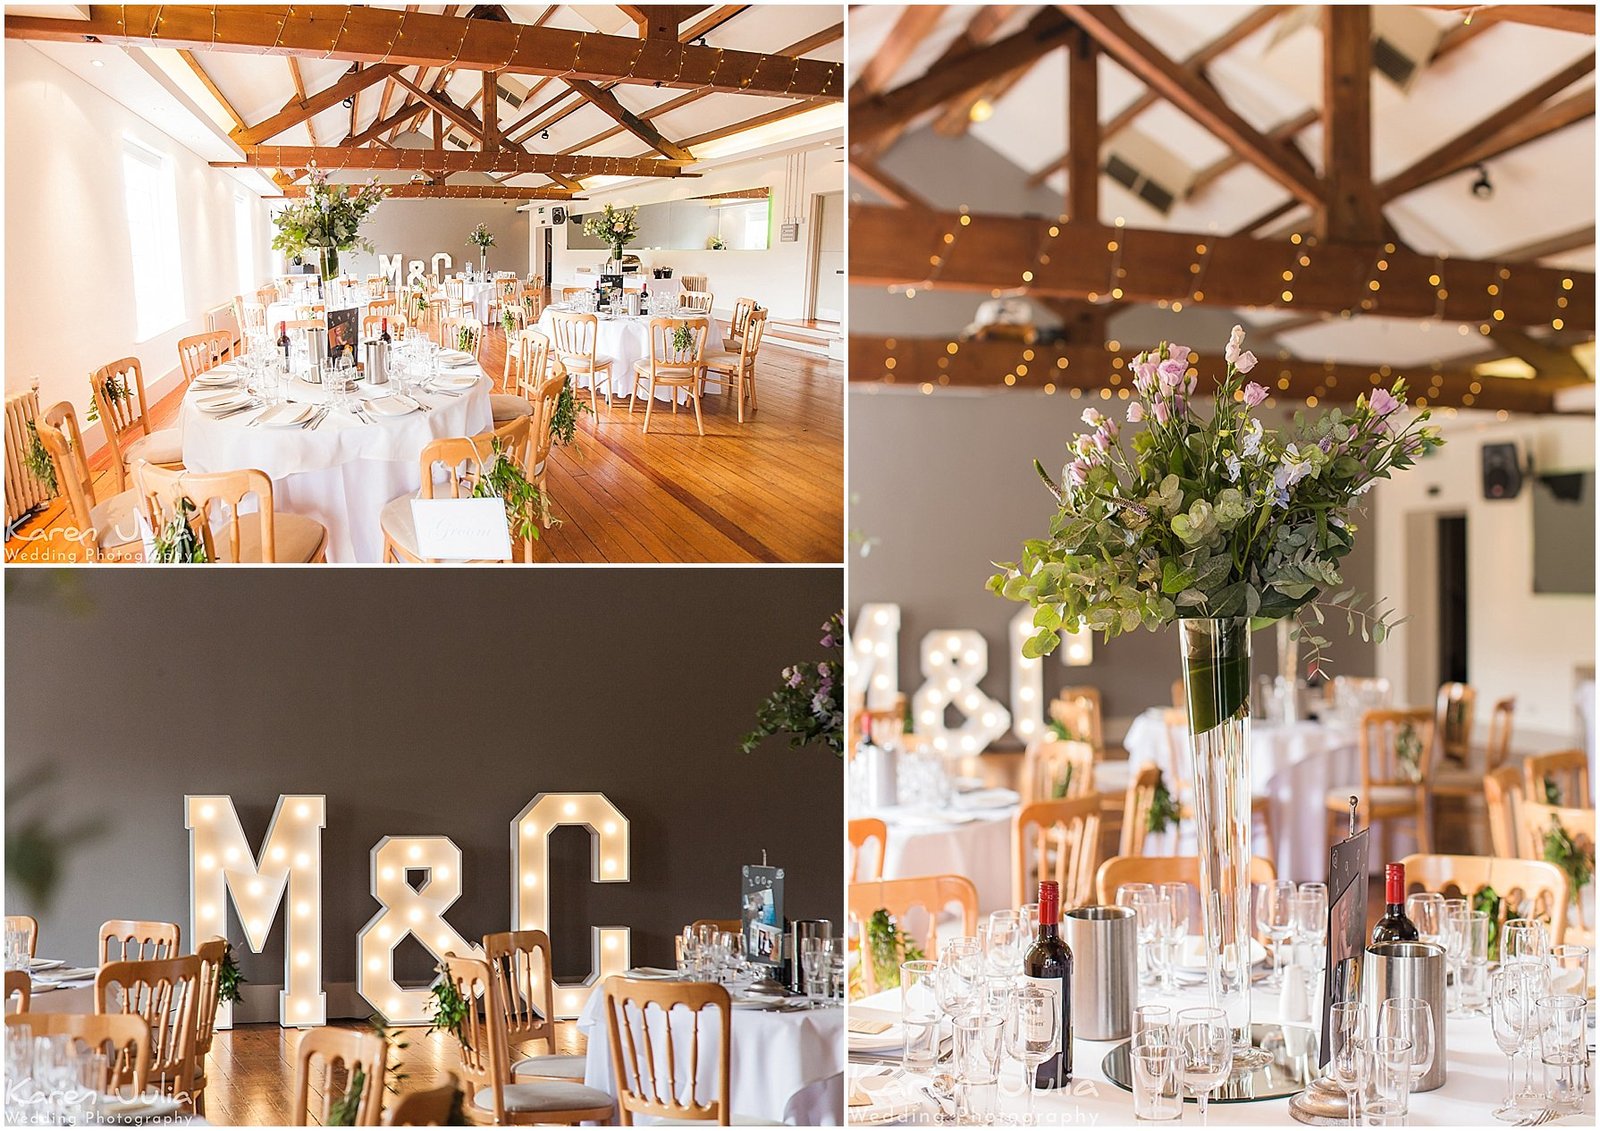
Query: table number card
x=762, y=914
x=1347, y=926
x=460, y=530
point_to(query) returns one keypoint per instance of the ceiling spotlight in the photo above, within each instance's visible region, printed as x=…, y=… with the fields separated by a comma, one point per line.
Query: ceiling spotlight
x=1481, y=188
x=349, y=102
x=545, y=135
x=97, y=62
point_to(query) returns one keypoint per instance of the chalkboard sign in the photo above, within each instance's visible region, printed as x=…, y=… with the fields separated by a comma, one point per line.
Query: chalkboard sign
x=761, y=914
x=344, y=332
x=1347, y=927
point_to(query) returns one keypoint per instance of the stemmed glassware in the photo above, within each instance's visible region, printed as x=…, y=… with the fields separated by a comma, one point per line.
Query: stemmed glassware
x=1005, y=942
x=1141, y=897
x=1275, y=919
x=1033, y=1031
x=1310, y=907
x=1514, y=992
x=1425, y=909
x=958, y=981
x=1172, y=928
x=1206, y=1044
x=1349, y=1056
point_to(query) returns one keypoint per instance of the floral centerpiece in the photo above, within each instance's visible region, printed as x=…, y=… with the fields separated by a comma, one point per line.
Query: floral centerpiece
x=327, y=220
x=483, y=239
x=617, y=227
x=1220, y=524
x=809, y=706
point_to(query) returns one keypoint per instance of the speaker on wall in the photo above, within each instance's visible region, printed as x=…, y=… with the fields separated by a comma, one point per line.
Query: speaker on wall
x=1502, y=474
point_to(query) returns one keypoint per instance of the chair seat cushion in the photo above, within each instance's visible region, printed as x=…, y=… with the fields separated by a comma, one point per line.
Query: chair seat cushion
x=666, y=372
x=506, y=407
x=164, y=447
x=1379, y=796
x=580, y=362
x=397, y=523
x=544, y=1097
x=116, y=521
x=736, y=1120
x=297, y=538
x=566, y=1066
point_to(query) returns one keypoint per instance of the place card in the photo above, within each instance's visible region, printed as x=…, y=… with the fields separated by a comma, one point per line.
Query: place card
x=462, y=529
x=868, y=1027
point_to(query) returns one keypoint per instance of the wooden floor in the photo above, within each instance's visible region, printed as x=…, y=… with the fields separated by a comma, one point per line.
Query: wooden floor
x=251, y=1073
x=768, y=490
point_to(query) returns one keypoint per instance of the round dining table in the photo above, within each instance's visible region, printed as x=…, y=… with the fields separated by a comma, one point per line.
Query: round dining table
x=342, y=469
x=625, y=339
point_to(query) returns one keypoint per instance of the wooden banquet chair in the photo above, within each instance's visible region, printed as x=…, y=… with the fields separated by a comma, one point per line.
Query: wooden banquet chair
x=463, y=332
x=29, y=926
x=1053, y=769
x=1535, y=822
x=742, y=309
x=1526, y=888
x=20, y=986
x=1502, y=796
x=163, y=992
x=455, y=297
x=200, y=352
x=388, y=307
x=464, y=459
x=694, y=282
x=1056, y=840
x=485, y=1062
x=108, y=530
x=652, y=1015
x=862, y=832
x=372, y=326
x=699, y=301
x=1565, y=770
x=432, y=316
x=266, y=296
x=118, y=390
x=343, y=1055
x=266, y=535
x=123, y=1037
x=251, y=316
x=739, y=368
x=426, y=1107
x=211, y=954
x=132, y=940
x=525, y=369
x=1386, y=793
x=1077, y=709
x=1121, y=870
x=1136, y=806
x=1452, y=724
x=520, y=964
x=377, y=286
x=931, y=894
x=574, y=337
x=1466, y=783
x=504, y=295
x=671, y=367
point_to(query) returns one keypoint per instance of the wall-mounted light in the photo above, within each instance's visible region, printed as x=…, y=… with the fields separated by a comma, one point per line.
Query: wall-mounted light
x=953, y=663
x=407, y=909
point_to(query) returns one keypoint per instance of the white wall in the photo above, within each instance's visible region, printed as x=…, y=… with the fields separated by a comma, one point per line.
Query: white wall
x=1519, y=643
x=69, y=271
x=419, y=228
x=776, y=277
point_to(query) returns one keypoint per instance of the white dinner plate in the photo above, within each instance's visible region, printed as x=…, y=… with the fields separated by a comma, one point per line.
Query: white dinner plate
x=396, y=405
x=45, y=963
x=223, y=402
x=891, y=1038
x=1193, y=959
x=286, y=415
x=455, y=384
x=988, y=799
x=214, y=378
x=651, y=973
x=455, y=357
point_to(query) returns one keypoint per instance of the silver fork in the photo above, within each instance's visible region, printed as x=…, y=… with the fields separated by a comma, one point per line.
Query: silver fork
x=1539, y=1120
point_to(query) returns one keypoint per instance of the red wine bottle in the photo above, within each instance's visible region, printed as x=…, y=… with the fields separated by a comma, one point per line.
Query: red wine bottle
x=383, y=332
x=283, y=341
x=1394, y=926
x=1048, y=965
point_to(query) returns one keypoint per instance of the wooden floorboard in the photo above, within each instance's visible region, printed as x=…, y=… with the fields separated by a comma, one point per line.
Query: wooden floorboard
x=768, y=490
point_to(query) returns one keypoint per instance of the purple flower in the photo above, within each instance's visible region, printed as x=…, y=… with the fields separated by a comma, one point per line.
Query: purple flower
x=1144, y=378
x=827, y=641
x=1178, y=353
x=1246, y=362
x=794, y=675
x=1092, y=417
x=1163, y=413
x=1135, y=412
x=1077, y=473
x=1171, y=373
x=1382, y=402
x=1254, y=394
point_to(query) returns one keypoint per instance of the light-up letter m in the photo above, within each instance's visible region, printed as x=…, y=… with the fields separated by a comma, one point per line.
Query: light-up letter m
x=288, y=870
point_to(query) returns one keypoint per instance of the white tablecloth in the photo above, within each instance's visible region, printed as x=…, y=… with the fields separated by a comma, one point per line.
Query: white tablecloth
x=785, y=1066
x=1294, y=765
x=626, y=341
x=344, y=471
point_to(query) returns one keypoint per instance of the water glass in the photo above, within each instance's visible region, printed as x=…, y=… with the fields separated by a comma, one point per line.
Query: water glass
x=1005, y=941
x=919, y=1015
x=1311, y=920
x=1156, y=1073
x=1392, y=1078
x=996, y=994
x=1138, y=896
x=1275, y=919
x=16, y=948
x=979, y=1045
x=1410, y=1020
x=836, y=974
x=1569, y=969
x=1152, y=1025
x=816, y=957
x=1425, y=909
x=1562, y=1049
x=960, y=977
x=1173, y=929
x=1524, y=941
x=81, y=1103
x=1472, y=987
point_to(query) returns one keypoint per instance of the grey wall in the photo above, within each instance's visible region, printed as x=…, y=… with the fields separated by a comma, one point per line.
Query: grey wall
x=434, y=702
x=420, y=228
x=945, y=485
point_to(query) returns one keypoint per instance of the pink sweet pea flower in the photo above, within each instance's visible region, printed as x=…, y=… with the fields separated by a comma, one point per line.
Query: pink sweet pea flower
x=1235, y=340
x=1135, y=412
x=1254, y=394
x=1171, y=374
x=1382, y=402
x=1178, y=353
x=1246, y=362
x=1163, y=414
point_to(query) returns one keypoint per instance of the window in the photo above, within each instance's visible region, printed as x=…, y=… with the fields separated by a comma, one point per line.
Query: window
x=153, y=237
x=244, y=241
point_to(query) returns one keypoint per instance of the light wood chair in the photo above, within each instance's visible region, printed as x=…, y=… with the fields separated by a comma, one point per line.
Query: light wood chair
x=1053, y=769
x=697, y=301
x=20, y=986
x=574, y=336
x=1056, y=840
x=119, y=398
x=1502, y=796
x=200, y=352
x=377, y=285
x=1121, y=870
x=1136, y=808
x=1535, y=820
x=266, y=535
x=694, y=282
x=1452, y=724
x=132, y=940
x=463, y=332
x=1175, y=728
x=316, y=312
x=543, y=439
x=651, y=1015
x=1385, y=793
x=455, y=297
x=266, y=296
x=124, y=1038
x=464, y=459
x=107, y=530
x=504, y=297
x=211, y=954
x=532, y=299
x=520, y=963
x=1180, y=701
x=485, y=1063
x=742, y=309
x=1566, y=770
x=739, y=369
x=1078, y=710
x=881, y=724
x=1465, y=783
x=29, y=926
x=931, y=895
x=427, y=1107
x=163, y=992
x=252, y=318
x=519, y=319
x=433, y=317
x=372, y=326
x=1527, y=888
x=525, y=373
x=343, y=1055
x=385, y=307
x=670, y=367
x=862, y=832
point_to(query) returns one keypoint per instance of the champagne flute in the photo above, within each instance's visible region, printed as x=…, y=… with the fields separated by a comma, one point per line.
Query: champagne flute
x=1033, y=1031
x=1348, y=1052
x=1174, y=929
x=1509, y=1006
x=1207, y=1045
x=1275, y=918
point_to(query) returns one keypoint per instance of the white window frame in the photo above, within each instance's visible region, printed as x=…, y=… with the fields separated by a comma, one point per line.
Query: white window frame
x=156, y=255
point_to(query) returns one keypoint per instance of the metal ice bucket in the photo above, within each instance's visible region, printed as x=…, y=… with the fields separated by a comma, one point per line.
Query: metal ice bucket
x=377, y=363
x=1409, y=970
x=1105, y=970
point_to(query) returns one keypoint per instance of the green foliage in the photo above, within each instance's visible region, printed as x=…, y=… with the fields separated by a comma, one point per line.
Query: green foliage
x=808, y=706
x=1552, y=792
x=1164, y=809
x=716, y=243
x=1408, y=752
x=481, y=237
x=1573, y=856
x=503, y=479
x=1059, y=787
x=466, y=339
x=682, y=339
x=508, y=321
x=38, y=461
x=178, y=541
x=616, y=227
x=37, y=847
x=1060, y=732
x=564, y=420
x=229, y=979
x=449, y=1008
x=888, y=948
x=1212, y=518
x=344, y=1110
x=327, y=220
x=114, y=389
x=1488, y=901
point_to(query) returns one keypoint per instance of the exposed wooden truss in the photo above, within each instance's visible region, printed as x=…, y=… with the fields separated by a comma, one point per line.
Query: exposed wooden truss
x=1350, y=208
x=449, y=161
x=932, y=363
x=990, y=254
x=459, y=192
x=1560, y=17
x=980, y=31
x=607, y=104
x=915, y=23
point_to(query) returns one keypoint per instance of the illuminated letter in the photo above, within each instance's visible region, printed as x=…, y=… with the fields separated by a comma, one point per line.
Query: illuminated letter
x=445, y=270
x=952, y=664
x=221, y=867
x=874, y=655
x=610, y=947
x=417, y=275
x=1027, y=682
x=389, y=268
x=408, y=910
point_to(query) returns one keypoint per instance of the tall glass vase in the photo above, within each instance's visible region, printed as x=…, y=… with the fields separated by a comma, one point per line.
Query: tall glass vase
x=1216, y=683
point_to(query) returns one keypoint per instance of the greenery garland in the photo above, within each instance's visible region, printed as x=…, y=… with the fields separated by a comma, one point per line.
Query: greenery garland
x=177, y=541
x=808, y=706
x=1568, y=854
x=114, y=389
x=327, y=220
x=504, y=479
x=229, y=979
x=1164, y=809
x=343, y=1111
x=889, y=947
x=682, y=339
x=564, y=420
x=449, y=1007
x=38, y=461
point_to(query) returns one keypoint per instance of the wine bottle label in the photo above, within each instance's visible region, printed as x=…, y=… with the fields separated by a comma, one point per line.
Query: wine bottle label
x=1052, y=986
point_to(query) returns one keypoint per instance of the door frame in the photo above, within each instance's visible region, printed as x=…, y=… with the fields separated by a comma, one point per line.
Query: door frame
x=814, y=251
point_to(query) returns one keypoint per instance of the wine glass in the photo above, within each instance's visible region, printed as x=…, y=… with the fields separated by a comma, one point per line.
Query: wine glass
x=1152, y=1025
x=1524, y=941
x=1174, y=928
x=959, y=977
x=1409, y=1019
x=1033, y=1031
x=1207, y=1045
x=1275, y=919
x=1348, y=1052
x=1425, y=909
x=1134, y=896
x=1310, y=908
x=1005, y=940
x=1510, y=1006
x=1150, y=903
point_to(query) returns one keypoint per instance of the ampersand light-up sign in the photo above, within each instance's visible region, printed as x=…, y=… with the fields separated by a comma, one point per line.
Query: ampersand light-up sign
x=874, y=654
x=407, y=909
x=953, y=662
x=289, y=869
x=610, y=947
x=1027, y=682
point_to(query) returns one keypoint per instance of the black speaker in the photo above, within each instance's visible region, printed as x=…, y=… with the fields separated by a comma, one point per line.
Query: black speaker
x=1502, y=474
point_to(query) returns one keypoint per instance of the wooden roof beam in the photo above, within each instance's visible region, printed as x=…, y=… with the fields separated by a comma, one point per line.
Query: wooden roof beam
x=980, y=31
x=1350, y=208
x=459, y=192
x=607, y=104
x=1083, y=128
x=914, y=24
x=1577, y=18
x=303, y=109
x=450, y=161
x=1553, y=245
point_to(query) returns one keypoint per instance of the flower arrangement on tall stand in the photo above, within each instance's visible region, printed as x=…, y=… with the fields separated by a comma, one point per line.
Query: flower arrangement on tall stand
x=327, y=220
x=483, y=239
x=1220, y=525
x=809, y=706
x=617, y=227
